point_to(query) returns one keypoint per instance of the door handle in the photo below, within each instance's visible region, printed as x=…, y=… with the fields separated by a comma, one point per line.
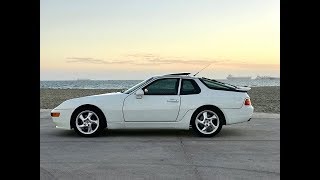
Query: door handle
x=173, y=100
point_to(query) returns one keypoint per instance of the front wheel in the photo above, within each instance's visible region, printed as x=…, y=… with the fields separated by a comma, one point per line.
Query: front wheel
x=88, y=122
x=206, y=123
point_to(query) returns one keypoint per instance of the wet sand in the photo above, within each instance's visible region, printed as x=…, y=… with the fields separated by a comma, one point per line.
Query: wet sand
x=264, y=99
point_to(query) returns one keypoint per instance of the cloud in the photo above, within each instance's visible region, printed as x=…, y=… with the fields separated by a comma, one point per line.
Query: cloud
x=180, y=61
x=155, y=60
x=142, y=55
x=94, y=61
x=141, y=60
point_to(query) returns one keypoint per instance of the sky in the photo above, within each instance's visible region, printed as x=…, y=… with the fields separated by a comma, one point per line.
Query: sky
x=135, y=39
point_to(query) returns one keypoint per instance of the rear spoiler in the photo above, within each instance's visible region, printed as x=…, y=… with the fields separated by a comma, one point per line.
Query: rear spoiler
x=243, y=89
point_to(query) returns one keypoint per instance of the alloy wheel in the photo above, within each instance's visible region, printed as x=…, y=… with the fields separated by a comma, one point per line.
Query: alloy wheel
x=87, y=122
x=207, y=122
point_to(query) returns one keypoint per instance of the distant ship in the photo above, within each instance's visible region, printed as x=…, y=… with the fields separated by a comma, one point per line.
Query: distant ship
x=267, y=77
x=83, y=79
x=230, y=77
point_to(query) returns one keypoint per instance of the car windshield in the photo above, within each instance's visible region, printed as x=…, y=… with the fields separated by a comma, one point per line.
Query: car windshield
x=128, y=91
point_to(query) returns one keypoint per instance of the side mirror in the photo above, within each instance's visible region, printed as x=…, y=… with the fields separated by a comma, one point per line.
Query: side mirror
x=139, y=93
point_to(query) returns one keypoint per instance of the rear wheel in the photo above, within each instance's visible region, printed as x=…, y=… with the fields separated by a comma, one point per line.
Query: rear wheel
x=207, y=122
x=88, y=121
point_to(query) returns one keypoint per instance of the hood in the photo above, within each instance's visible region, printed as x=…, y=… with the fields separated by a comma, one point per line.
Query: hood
x=99, y=95
x=93, y=99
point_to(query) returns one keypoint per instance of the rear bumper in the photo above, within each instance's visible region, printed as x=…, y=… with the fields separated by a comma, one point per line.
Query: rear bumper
x=243, y=114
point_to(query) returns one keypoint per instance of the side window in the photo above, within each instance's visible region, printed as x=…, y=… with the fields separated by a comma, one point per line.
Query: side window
x=189, y=86
x=167, y=86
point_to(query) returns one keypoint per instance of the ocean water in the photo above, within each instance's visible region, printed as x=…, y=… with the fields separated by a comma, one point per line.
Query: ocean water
x=124, y=84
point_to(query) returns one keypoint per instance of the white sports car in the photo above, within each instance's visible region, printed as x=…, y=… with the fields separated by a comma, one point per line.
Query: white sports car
x=173, y=101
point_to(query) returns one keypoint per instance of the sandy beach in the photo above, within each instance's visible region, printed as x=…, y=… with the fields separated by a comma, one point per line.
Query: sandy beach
x=264, y=99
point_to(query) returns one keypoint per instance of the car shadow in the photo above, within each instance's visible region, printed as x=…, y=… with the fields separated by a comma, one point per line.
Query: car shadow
x=154, y=133
x=132, y=133
x=144, y=132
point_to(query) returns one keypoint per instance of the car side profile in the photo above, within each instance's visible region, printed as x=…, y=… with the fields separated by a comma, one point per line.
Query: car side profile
x=173, y=101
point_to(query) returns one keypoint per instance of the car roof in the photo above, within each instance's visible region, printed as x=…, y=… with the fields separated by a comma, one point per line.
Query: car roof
x=185, y=75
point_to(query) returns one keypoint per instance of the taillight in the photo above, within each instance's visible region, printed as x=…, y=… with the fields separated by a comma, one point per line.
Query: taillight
x=247, y=102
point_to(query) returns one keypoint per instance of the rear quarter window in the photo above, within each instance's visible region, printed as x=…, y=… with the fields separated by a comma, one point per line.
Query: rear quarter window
x=189, y=86
x=215, y=85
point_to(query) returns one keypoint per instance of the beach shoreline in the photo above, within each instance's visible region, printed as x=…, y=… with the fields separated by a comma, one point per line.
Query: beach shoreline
x=264, y=99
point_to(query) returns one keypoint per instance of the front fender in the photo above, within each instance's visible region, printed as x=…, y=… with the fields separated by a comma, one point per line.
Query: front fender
x=110, y=104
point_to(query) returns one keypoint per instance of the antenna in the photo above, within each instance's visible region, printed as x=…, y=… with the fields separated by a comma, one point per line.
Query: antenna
x=202, y=69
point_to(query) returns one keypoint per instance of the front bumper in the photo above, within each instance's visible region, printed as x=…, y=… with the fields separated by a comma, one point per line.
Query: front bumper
x=63, y=121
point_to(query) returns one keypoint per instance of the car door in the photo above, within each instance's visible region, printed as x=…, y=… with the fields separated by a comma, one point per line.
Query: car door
x=190, y=96
x=159, y=103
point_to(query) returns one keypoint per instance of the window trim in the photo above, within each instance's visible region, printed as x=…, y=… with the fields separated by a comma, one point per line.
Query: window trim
x=177, y=87
x=194, y=83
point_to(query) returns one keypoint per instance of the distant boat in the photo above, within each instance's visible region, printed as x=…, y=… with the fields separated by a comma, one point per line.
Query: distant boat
x=83, y=79
x=267, y=77
x=230, y=77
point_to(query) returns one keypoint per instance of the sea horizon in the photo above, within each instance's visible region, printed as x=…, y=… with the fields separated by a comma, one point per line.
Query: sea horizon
x=125, y=84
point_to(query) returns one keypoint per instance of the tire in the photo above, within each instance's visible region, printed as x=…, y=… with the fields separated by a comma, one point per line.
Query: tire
x=207, y=127
x=88, y=121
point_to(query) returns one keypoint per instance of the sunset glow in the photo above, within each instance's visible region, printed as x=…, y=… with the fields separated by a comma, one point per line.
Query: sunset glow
x=133, y=39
